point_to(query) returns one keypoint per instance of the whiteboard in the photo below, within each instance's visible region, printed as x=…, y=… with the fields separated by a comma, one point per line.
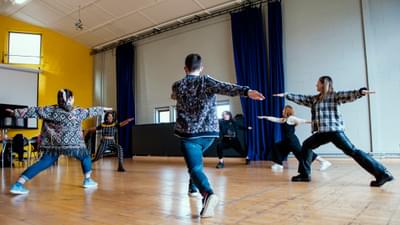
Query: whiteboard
x=18, y=86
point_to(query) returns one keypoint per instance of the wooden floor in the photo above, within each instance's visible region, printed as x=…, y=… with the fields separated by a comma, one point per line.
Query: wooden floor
x=154, y=191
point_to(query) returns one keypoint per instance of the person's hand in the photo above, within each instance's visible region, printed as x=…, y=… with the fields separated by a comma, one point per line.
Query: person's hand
x=131, y=119
x=279, y=95
x=367, y=92
x=249, y=128
x=255, y=95
x=262, y=117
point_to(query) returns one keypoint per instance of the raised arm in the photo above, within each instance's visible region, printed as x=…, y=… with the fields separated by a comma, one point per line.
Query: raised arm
x=224, y=88
x=350, y=96
x=305, y=100
x=126, y=122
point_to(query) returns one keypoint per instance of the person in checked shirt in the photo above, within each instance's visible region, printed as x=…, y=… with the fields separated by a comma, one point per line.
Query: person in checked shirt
x=328, y=126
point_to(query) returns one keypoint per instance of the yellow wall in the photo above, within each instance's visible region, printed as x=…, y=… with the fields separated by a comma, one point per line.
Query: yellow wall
x=65, y=64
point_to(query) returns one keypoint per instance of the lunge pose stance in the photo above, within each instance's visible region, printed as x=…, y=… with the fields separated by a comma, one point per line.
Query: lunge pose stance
x=108, y=134
x=290, y=142
x=328, y=126
x=61, y=135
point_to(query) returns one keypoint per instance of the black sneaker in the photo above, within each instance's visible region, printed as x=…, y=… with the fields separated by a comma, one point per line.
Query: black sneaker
x=247, y=161
x=121, y=169
x=382, y=180
x=220, y=165
x=210, y=201
x=301, y=178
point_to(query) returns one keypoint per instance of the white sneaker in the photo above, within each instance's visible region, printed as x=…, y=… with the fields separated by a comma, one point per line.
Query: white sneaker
x=277, y=167
x=324, y=165
x=89, y=183
x=209, y=204
x=193, y=194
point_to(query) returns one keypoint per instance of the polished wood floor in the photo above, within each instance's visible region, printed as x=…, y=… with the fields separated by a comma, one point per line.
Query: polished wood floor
x=154, y=191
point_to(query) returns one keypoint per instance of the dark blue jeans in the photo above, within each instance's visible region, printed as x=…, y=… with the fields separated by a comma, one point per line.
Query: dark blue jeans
x=192, y=149
x=48, y=159
x=341, y=141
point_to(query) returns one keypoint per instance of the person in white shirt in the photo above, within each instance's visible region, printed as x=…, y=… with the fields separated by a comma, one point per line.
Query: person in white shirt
x=290, y=142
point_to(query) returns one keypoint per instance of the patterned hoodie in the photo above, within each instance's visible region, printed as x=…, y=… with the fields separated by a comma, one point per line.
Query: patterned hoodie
x=62, y=130
x=196, y=107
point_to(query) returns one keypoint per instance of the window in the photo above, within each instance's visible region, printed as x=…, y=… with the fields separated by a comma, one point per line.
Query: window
x=168, y=114
x=24, y=48
x=222, y=106
x=163, y=115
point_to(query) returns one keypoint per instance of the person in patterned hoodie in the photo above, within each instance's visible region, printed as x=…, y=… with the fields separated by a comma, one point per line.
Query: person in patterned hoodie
x=61, y=134
x=197, y=123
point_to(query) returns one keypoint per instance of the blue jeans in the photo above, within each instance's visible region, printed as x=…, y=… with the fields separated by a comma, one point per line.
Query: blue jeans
x=192, y=149
x=48, y=159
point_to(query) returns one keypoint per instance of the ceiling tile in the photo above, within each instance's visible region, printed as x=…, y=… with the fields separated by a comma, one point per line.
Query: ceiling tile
x=28, y=19
x=170, y=9
x=96, y=37
x=65, y=25
x=41, y=12
x=129, y=24
x=92, y=16
x=124, y=6
x=59, y=5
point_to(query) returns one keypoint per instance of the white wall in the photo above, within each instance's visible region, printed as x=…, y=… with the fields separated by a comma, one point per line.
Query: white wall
x=160, y=62
x=382, y=28
x=325, y=37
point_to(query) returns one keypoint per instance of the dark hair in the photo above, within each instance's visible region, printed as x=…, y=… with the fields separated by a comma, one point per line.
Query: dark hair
x=193, y=62
x=106, y=115
x=64, y=99
x=228, y=113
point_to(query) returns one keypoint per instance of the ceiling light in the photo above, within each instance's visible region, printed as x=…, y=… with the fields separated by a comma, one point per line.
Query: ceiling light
x=19, y=2
x=78, y=24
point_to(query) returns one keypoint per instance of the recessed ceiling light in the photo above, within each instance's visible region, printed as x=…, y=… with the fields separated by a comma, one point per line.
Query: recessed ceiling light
x=19, y=2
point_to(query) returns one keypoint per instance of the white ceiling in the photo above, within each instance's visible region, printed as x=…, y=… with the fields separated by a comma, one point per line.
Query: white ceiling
x=107, y=20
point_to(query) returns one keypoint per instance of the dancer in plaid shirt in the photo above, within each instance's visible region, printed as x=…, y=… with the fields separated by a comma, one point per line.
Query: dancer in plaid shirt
x=328, y=126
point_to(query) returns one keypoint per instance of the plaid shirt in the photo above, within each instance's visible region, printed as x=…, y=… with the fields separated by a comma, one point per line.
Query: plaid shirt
x=325, y=113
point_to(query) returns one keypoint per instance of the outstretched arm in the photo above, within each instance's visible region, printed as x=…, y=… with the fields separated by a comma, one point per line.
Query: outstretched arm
x=350, y=96
x=292, y=120
x=224, y=88
x=92, y=112
x=126, y=122
x=31, y=112
x=272, y=119
x=305, y=100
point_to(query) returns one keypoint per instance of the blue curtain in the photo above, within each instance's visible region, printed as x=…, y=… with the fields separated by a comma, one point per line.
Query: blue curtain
x=125, y=94
x=251, y=64
x=276, y=60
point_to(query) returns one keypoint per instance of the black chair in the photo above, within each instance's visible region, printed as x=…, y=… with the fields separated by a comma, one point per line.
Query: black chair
x=18, y=144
